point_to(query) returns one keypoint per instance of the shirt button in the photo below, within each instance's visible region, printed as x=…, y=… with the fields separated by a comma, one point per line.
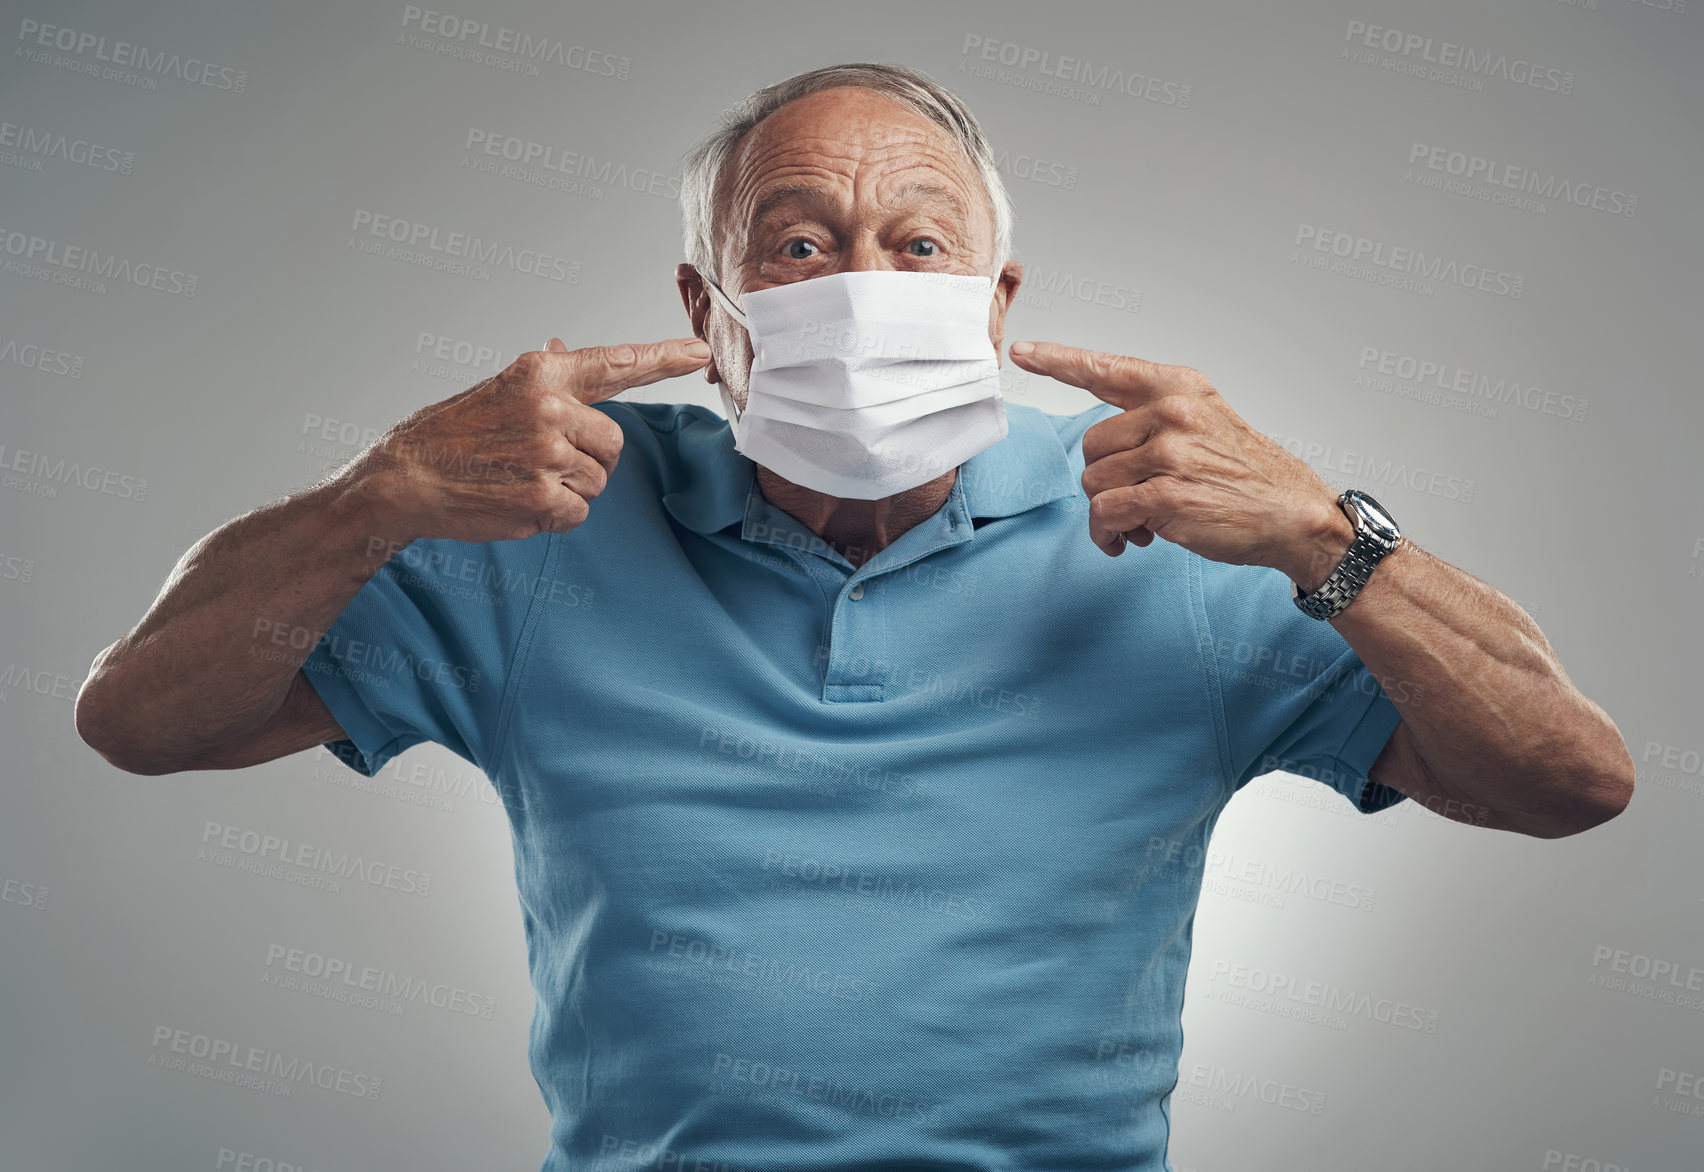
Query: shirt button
x=856, y=592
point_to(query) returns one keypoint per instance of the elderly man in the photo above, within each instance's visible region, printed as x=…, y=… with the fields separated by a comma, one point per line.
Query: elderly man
x=858, y=798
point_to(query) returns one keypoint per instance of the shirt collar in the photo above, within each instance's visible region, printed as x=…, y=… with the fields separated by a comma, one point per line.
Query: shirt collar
x=717, y=484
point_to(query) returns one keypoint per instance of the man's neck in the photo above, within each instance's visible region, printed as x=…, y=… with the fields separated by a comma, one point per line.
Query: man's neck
x=857, y=530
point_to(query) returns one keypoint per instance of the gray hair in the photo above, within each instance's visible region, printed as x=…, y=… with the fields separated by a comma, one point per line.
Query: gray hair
x=702, y=173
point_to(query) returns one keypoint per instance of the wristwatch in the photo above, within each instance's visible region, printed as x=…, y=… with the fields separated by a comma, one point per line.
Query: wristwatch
x=1376, y=535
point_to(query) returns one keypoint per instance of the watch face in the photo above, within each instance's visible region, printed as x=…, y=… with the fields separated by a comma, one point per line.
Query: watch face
x=1375, y=514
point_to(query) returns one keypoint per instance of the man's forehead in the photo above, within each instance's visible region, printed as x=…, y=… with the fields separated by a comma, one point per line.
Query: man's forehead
x=845, y=115
x=838, y=134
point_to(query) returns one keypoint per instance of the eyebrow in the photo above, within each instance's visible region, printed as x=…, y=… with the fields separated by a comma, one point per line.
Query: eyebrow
x=784, y=192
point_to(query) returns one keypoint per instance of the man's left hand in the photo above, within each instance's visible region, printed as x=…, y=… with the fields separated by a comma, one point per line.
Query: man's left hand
x=1178, y=463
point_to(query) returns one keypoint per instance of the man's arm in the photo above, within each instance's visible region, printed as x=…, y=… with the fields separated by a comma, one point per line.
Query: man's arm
x=211, y=677
x=1493, y=733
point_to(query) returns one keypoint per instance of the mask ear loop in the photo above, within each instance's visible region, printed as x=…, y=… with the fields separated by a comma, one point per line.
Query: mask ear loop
x=733, y=409
x=994, y=281
x=721, y=297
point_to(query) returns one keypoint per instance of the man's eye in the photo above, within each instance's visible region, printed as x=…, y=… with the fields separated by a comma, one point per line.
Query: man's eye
x=801, y=249
x=928, y=246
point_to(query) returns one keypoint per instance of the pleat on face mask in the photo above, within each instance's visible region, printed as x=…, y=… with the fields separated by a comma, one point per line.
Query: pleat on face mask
x=865, y=384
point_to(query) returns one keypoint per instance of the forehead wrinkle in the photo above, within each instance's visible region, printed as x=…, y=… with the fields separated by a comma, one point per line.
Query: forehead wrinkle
x=906, y=195
x=757, y=164
x=758, y=160
x=772, y=148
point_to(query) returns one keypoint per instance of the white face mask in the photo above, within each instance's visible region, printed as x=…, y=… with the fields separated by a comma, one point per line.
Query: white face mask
x=865, y=384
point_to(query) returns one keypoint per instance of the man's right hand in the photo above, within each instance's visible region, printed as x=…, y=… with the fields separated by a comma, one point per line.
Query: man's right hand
x=518, y=454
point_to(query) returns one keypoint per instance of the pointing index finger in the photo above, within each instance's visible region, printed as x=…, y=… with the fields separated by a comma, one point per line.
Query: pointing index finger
x=601, y=372
x=1118, y=379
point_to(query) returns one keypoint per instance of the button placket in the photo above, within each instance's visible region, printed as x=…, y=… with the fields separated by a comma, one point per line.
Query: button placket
x=854, y=670
x=853, y=655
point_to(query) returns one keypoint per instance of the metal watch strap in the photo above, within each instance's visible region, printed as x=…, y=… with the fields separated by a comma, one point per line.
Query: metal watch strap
x=1345, y=582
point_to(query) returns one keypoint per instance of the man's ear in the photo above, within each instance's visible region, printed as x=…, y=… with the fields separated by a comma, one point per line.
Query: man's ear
x=1011, y=276
x=696, y=298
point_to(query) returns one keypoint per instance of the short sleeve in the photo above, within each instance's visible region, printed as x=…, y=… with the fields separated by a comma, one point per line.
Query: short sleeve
x=423, y=650
x=1294, y=695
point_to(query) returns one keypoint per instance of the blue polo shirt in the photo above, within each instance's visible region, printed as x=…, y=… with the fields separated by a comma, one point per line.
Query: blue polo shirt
x=825, y=868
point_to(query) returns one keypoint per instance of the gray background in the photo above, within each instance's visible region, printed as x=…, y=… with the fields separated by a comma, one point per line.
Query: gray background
x=295, y=343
